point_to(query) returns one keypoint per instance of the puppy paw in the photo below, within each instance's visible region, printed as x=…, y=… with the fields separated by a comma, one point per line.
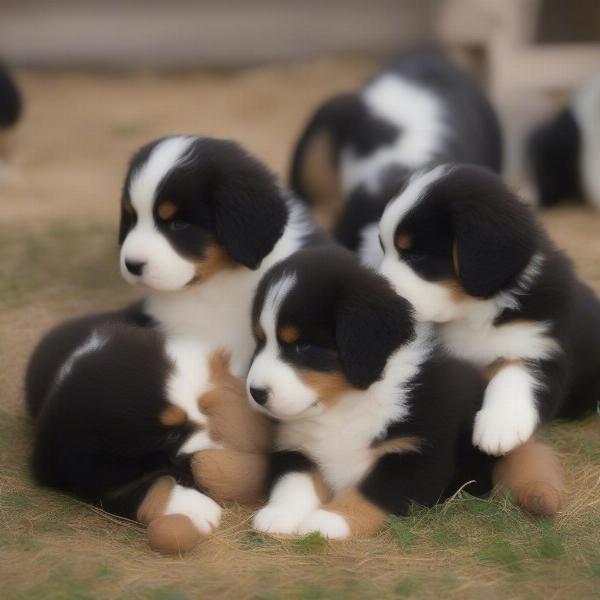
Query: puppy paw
x=329, y=524
x=497, y=432
x=202, y=511
x=277, y=520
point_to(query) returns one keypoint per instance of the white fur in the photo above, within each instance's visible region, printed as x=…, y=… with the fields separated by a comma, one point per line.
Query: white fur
x=204, y=512
x=369, y=248
x=417, y=113
x=339, y=439
x=93, y=342
x=165, y=269
x=329, y=524
x=509, y=414
x=586, y=110
x=288, y=396
x=292, y=499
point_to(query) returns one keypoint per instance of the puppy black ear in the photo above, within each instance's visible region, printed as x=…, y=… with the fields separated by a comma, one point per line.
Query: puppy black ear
x=370, y=325
x=496, y=235
x=250, y=212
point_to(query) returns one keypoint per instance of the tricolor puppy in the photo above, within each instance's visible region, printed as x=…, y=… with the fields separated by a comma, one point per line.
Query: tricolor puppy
x=564, y=152
x=359, y=148
x=372, y=414
x=123, y=399
x=11, y=106
x=462, y=248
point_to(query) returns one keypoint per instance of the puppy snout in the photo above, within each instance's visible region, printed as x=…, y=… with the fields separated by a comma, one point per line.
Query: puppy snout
x=135, y=267
x=260, y=395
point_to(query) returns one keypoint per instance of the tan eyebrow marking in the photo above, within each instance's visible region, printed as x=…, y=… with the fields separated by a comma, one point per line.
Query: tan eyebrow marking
x=404, y=241
x=289, y=334
x=166, y=210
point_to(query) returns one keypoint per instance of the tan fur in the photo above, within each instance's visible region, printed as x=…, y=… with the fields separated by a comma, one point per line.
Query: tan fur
x=231, y=476
x=154, y=503
x=231, y=420
x=289, y=334
x=259, y=332
x=172, y=534
x=327, y=386
x=363, y=517
x=458, y=293
x=323, y=492
x=172, y=416
x=215, y=259
x=533, y=474
x=405, y=444
x=494, y=368
x=321, y=181
x=404, y=241
x=167, y=210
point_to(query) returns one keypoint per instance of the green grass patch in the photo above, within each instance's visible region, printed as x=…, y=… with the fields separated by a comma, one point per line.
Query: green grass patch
x=313, y=543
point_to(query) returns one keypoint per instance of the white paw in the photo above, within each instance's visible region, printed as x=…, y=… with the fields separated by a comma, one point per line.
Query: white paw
x=329, y=524
x=203, y=511
x=277, y=520
x=497, y=432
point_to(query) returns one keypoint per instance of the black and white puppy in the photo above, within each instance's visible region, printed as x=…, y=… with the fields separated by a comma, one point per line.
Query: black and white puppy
x=11, y=107
x=462, y=248
x=372, y=414
x=564, y=152
x=201, y=221
x=359, y=148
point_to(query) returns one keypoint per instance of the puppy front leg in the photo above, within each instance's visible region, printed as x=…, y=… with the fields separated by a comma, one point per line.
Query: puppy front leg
x=509, y=414
x=296, y=490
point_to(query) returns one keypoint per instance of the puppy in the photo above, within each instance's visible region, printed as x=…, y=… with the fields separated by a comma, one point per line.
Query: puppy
x=11, y=107
x=123, y=399
x=359, y=148
x=372, y=414
x=470, y=257
x=564, y=152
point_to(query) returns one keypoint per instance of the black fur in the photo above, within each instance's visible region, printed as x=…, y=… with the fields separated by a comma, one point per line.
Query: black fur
x=472, y=135
x=554, y=153
x=349, y=319
x=98, y=433
x=11, y=101
x=223, y=195
x=496, y=237
x=442, y=398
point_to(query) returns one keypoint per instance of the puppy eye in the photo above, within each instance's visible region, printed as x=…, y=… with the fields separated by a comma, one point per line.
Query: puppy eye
x=178, y=225
x=302, y=348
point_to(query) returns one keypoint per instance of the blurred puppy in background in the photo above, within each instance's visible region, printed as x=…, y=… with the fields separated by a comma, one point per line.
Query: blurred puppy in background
x=11, y=108
x=359, y=148
x=564, y=152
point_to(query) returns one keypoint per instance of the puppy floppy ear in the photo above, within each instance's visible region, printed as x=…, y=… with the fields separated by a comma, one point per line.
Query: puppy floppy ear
x=495, y=233
x=250, y=213
x=370, y=325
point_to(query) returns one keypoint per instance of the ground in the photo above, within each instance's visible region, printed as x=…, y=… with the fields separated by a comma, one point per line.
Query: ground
x=58, y=253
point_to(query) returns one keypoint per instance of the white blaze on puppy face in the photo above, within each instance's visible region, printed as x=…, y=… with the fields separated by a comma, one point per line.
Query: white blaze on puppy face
x=164, y=269
x=432, y=301
x=288, y=396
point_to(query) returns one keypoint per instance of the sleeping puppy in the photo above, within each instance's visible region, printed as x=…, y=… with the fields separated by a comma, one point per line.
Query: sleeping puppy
x=564, y=152
x=462, y=248
x=11, y=107
x=123, y=399
x=359, y=148
x=372, y=414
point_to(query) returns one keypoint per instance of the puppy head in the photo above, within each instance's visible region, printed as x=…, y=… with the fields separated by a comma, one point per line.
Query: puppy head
x=324, y=326
x=192, y=207
x=455, y=233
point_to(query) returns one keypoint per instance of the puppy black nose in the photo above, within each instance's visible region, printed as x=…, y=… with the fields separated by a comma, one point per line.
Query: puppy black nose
x=260, y=395
x=135, y=267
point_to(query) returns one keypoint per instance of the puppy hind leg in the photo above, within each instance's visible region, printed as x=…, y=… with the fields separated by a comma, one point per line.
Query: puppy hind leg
x=533, y=474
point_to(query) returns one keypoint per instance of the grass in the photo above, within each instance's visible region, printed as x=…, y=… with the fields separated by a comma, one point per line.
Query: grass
x=52, y=546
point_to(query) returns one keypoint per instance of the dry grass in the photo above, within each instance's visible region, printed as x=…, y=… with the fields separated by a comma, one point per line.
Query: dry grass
x=57, y=244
